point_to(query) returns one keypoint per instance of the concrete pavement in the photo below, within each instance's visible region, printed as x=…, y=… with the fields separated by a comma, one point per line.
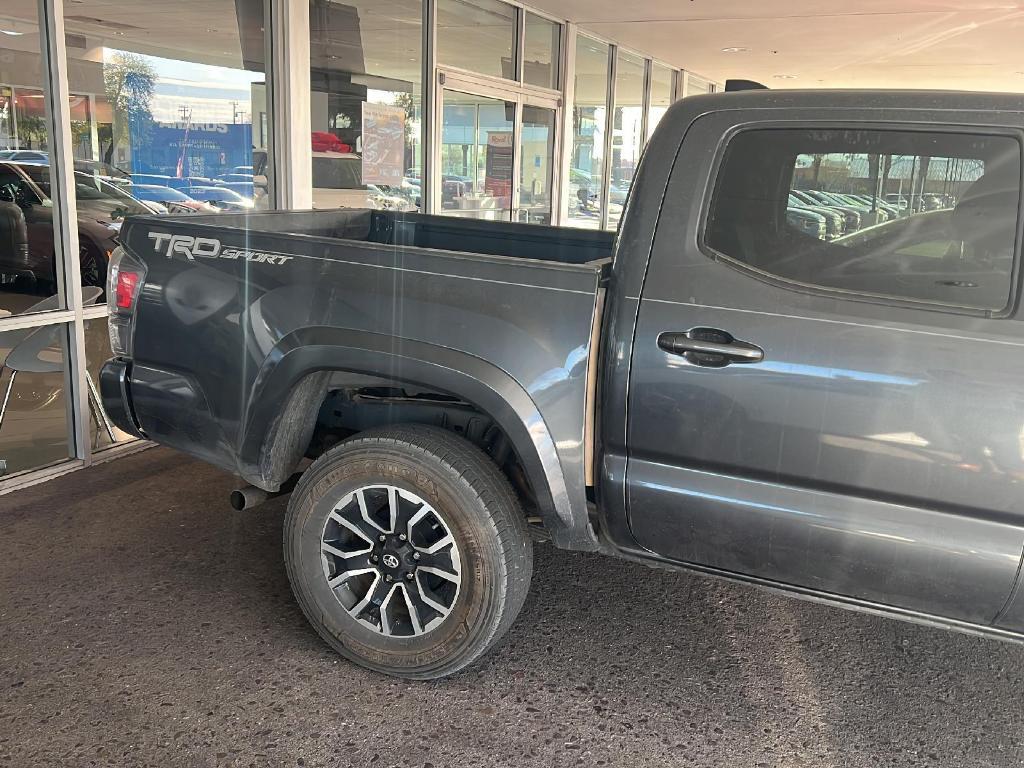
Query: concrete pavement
x=143, y=623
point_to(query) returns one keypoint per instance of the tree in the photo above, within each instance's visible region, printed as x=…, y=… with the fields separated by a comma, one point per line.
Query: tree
x=128, y=80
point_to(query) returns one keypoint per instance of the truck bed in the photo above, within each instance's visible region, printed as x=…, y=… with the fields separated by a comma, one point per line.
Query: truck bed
x=232, y=303
x=518, y=241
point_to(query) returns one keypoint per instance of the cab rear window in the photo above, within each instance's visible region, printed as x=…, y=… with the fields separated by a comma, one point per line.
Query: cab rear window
x=907, y=215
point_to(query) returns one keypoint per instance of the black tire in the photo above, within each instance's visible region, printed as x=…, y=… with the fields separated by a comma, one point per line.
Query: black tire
x=479, y=507
x=92, y=266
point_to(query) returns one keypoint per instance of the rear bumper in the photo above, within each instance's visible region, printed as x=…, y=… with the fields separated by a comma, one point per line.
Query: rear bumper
x=116, y=397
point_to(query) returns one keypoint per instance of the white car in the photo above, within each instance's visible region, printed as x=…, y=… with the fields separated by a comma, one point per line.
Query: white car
x=338, y=183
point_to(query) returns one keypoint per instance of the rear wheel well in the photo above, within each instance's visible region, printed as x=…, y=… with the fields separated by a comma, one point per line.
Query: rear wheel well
x=357, y=402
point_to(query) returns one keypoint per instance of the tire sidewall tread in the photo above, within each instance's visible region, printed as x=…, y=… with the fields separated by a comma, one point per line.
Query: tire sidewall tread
x=492, y=537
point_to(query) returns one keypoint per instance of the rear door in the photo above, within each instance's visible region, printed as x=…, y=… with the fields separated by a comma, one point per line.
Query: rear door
x=841, y=416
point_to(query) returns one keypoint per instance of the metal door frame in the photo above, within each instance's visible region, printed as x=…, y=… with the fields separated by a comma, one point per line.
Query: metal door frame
x=452, y=79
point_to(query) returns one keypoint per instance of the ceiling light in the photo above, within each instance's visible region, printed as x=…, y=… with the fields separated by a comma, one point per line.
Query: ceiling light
x=784, y=77
x=735, y=49
x=11, y=32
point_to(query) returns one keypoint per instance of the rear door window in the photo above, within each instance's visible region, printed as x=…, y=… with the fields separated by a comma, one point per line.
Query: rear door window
x=916, y=216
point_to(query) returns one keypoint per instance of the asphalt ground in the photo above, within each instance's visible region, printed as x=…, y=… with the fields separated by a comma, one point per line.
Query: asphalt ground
x=144, y=623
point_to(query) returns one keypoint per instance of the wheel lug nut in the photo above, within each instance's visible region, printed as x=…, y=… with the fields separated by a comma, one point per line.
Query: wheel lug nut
x=415, y=555
x=374, y=558
x=388, y=578
x=409, y=575
x=382, y=538
x=401, y=537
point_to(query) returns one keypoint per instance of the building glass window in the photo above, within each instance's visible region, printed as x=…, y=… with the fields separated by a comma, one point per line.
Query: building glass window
x=366, y=97
x=169, y=108
x=661, y=95
x=627, y=132
x=164, y=121
x=589, y=115
x=476, y=156
x=541, y=51
x=29, y=272
x=696, y=86
x=477, y=36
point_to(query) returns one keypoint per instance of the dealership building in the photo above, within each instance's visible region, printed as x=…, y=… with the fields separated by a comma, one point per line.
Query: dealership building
x=472, y=108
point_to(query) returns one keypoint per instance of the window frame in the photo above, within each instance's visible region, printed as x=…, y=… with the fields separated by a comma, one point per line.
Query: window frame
x=1008, y=310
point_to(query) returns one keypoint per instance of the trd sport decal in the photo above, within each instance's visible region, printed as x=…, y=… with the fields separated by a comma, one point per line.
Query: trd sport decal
x=208, y=248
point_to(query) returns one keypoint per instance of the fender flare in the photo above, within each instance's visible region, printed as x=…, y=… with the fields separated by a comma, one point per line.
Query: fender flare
x=489, y=388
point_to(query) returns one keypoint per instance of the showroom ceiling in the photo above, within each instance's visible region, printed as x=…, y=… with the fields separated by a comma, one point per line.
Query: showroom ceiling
x=965, y=44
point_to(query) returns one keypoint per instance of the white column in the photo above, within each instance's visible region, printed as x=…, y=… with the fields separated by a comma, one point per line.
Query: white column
x=289, y=87
x=94, y=134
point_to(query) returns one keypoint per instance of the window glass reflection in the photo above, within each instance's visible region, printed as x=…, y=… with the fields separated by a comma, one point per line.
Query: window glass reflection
x=33, y=411
x=102, y=432
x=589, y=110
x=627, y=132
x=661, y=96
x=478, y=36
x=168, y=114
x=29, y=273
x=366, y=99
x=541, y=51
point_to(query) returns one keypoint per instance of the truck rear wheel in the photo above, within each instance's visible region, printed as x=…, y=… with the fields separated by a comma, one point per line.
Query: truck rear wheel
x=407, y=550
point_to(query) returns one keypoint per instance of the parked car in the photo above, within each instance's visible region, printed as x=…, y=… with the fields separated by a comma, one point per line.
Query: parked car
x=850, y=213
x=220, y=197
x=174, y=200
x=152, y=179
x=840, y=420
x=185, y=182
x=898, y=200
x=34, y=157
x=807, y=221
x=24, y=156
x=873, y=202
x=26, y=224
x=228, y=177
x=835, y=222
x=338, y=183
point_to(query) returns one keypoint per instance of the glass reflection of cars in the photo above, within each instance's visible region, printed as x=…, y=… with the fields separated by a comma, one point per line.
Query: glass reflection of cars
x=807, y=221
x=102, y=206
x=174, y=200
x=850, y=214
x=220, y=197
x=835, y=222
x=338, y=183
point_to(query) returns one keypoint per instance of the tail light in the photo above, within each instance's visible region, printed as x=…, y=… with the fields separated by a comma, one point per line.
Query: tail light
x=125, y=292
x=125, y=276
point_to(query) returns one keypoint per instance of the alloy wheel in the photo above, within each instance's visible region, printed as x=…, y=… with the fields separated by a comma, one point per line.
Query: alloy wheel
x=391, y=561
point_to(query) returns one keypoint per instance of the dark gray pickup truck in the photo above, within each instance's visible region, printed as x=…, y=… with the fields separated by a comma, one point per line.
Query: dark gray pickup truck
x=833, y=407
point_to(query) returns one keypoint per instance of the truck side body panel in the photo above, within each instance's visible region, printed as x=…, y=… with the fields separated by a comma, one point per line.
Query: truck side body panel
x=221, y=341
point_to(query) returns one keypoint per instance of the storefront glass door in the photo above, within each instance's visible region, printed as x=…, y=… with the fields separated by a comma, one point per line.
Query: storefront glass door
x=476, y=156
x=537, y=159
x=496, y=154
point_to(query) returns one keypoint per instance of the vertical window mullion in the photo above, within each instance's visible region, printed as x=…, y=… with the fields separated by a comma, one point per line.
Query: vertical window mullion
x=609, y=129
x=431, y=117
x=62, y=193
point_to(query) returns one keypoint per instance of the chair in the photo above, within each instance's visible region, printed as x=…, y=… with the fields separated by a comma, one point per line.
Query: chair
x=33, y=352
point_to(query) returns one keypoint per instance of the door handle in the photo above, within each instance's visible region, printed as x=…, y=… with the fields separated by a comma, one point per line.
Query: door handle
x=710, y=347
